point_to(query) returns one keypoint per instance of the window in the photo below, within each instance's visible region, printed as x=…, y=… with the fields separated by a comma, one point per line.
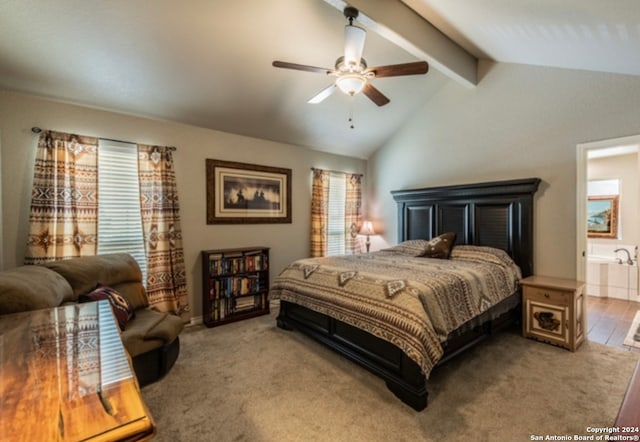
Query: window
x=119, y=218
x=336, y=222
x=336, y=199
x=603, y=187
x=95, y=196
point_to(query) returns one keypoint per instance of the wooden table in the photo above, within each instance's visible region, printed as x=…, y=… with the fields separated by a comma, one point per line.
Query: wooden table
x=628, y=420
x=65, y=376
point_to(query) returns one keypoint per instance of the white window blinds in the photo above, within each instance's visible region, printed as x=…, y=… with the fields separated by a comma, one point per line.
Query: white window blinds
x=336, y=224
x=119, y=218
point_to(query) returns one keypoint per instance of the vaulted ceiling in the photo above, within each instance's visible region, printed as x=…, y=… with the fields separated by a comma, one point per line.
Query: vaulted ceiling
x=208, y=62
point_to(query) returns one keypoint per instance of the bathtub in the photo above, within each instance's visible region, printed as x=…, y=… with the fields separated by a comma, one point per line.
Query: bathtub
x=607, y=278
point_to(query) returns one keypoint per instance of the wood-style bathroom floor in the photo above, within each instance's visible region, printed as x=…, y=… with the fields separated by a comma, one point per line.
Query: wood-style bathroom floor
x=608, y=320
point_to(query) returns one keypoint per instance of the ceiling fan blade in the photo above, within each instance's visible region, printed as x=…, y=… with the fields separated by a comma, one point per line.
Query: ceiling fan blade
x=374, y=94
x=396, y=70
x=324, y=93
x=301, y=67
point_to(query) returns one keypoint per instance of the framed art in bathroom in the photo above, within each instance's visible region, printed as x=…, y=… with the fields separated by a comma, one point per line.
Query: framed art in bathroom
x=602, y=216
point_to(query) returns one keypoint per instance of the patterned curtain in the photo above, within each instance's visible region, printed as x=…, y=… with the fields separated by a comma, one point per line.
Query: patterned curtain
x=166, y=278
x=353, y=213
x=319, y=212
x=63, y=220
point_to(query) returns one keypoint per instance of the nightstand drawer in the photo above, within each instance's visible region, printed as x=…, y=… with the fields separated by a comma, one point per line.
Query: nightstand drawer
x=549, y=295
x=547, y=321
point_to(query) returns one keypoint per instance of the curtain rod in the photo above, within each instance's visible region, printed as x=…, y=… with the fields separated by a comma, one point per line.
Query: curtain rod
x=37, y=130
x=337, y=171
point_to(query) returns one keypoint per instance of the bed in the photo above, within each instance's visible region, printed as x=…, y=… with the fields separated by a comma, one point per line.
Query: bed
x=494, y=217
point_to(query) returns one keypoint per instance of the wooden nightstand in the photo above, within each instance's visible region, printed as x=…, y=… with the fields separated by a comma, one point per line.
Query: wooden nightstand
x=554, y=310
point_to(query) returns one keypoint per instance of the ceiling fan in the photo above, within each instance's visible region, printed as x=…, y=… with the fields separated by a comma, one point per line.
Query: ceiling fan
x=351, y=71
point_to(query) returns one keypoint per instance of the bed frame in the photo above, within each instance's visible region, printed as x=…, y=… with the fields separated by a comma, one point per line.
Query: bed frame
x=495, y=214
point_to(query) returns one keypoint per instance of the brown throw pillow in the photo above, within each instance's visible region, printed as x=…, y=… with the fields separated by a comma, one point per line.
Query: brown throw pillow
x=440, y=246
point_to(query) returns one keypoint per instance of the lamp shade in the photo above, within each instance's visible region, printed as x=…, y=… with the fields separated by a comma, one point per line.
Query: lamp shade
x=351, y=84
x=367, y=228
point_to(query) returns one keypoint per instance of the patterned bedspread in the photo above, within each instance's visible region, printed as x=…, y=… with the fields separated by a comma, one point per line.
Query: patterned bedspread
x=412, y=302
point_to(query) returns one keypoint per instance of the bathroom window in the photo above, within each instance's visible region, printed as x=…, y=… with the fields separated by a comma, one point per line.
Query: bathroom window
x=603, y=187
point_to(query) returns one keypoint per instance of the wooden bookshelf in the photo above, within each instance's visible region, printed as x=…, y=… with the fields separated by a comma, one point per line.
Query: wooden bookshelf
x=235, y=284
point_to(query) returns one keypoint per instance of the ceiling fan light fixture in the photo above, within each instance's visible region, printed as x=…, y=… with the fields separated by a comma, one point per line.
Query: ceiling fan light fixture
x=351, y=71
x=354, y=37
x=351, y=84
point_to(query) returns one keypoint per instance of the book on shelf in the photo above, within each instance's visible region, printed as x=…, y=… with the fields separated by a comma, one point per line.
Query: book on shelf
x=231, y=286
x=243, y=304
x=221, y=264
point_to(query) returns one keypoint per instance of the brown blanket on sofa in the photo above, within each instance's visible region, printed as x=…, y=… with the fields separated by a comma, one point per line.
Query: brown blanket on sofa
x=411, y=302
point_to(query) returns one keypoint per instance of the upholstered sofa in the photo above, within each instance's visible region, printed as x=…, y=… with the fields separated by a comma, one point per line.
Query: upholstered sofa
x=150, y=337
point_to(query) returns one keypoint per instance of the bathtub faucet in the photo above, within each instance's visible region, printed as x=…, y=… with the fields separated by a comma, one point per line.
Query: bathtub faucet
x=629, y=260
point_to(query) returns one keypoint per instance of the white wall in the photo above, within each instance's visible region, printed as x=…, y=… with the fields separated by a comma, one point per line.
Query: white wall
x=520, y=121
x=18, y=113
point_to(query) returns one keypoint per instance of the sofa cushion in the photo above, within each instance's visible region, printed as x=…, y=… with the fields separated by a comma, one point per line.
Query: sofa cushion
x=151, y=329
x=31, y=287
x=121, y=308
x=117, y=270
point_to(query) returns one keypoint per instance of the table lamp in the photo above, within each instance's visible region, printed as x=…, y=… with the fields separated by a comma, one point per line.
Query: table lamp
x=367, y=229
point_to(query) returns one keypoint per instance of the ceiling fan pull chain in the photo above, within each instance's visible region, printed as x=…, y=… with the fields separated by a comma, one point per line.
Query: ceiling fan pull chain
x=351, y=125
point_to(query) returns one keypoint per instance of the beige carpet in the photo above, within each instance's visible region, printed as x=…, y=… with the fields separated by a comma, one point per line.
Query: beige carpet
x=250, y=381
x=634, y=330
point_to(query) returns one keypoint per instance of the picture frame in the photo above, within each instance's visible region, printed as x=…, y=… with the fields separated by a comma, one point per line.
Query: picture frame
x=242, y=193
x=602, y=216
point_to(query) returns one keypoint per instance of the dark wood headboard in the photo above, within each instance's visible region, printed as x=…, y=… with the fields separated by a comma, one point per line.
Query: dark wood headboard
x=496, y=214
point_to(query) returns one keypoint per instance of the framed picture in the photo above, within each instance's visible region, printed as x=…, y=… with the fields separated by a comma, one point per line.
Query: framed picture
x=240, y=193
x=602, y=214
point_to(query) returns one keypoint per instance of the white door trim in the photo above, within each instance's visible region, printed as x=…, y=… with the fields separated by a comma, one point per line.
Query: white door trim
x=582, y=152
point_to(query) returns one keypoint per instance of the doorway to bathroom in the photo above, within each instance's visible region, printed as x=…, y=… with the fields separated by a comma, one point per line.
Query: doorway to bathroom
x=608, y=233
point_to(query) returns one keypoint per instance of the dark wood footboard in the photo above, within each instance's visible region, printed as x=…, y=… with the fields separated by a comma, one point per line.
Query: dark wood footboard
x=402, y=375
